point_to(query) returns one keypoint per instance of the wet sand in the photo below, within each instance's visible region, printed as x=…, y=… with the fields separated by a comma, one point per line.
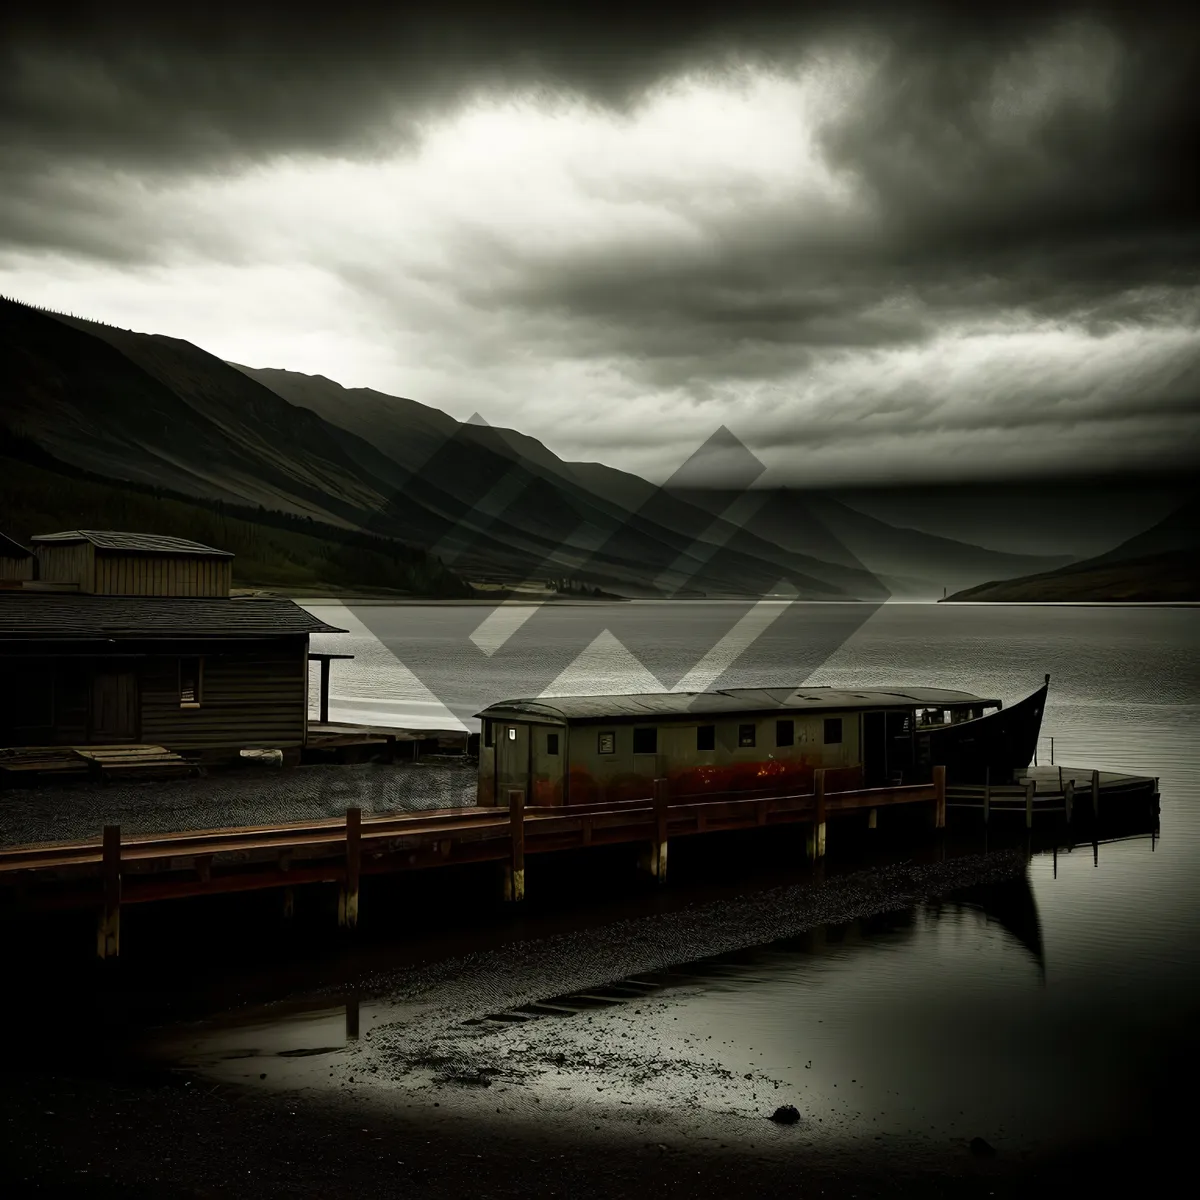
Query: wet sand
x=430, y=1097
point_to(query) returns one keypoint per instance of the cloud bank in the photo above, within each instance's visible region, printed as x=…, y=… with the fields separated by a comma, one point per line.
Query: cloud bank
x=876, y=243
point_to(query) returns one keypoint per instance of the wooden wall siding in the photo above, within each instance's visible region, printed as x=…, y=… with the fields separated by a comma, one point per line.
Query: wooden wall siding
x=161, y=575
x=71, y=563
x=16, y=568
x=251, y=697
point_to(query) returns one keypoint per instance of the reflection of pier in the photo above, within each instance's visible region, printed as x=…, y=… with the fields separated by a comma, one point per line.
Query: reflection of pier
x=1069, y=794
x=1011, y=905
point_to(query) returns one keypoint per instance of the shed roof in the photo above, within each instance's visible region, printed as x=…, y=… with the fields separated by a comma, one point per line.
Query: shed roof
x=72, y=617
x=13, y=549
x=728, y=701
x=137, y=543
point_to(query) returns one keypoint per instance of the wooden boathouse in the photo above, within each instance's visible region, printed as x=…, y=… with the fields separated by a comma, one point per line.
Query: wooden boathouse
x=587, y=749
x=126, y=639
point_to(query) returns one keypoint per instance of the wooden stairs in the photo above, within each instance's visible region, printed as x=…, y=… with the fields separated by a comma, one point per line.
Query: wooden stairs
x=21, y=766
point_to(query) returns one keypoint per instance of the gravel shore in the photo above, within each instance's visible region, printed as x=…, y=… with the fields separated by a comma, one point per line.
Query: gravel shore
x=231, y=799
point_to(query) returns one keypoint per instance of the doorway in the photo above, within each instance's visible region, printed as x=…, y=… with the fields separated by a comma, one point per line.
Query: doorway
x=874, y=750
x=887, y=748
x=512, y=761
x=114, y=715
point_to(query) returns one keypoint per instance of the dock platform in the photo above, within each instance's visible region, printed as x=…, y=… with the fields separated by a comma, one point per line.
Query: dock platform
x=1068, y=794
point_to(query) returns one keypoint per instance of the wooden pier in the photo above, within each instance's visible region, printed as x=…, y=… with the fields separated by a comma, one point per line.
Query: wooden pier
x=113, y=871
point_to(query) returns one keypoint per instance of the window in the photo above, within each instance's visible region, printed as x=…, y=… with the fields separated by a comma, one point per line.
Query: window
x=785, y=733
x=833, y=731
x=552, y=743
x=606, y=743
x=706, y=737
x=489, y=736
x=645, y=741
x=746, y=735
x=190, y=671
x=512, y=733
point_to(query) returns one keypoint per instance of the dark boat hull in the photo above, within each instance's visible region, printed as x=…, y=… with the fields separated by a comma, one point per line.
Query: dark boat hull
x=995, y=747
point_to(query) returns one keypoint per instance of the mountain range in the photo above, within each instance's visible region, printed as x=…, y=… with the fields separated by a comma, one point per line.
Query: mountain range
x=363, y=475
x=1161, y=563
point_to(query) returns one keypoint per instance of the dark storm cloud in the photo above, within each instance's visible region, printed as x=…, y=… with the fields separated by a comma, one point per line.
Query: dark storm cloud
x=986, y=171
x=173, y=83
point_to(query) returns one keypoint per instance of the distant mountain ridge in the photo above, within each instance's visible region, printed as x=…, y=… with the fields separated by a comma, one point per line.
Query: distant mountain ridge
x=902, y=563
x=489, y=503
x=1160, y=564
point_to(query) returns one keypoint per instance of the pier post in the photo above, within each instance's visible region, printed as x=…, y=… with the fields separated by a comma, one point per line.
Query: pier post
x=658, y=851
x=816, y=839
x=873, y=818
x=514, y=872
x=987, y=794
x=939, y=797
x=348, y=897
x=108, y=927
x=1030, y=788
x=324, y=691
x=1069, y=798
x=1095, y=795
x=288, y=904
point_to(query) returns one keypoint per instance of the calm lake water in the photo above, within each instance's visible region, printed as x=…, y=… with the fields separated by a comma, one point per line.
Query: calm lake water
x=948, y=1020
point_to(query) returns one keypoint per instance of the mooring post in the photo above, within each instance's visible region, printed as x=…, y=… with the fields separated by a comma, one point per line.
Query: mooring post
x=1069, y=798
x=873, y=818
x=987, y=793
x=1095, y=795
x=324, y=691
x=939, y=797
x=514, y=872
x=352, y=1019
x=1052, y=757
x=816, y=839
x=108, y=929
x=1030, y=788
x=658, y=852
x=348, y=897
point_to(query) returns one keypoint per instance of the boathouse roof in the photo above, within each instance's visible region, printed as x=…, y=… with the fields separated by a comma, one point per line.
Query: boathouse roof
x=138, y=543
x=68, y=617
x=727, y=701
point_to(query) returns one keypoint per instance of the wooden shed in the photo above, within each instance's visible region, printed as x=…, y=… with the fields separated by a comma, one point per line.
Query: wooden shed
x=111, y=563
x=206, y=676
x=16, y=562
x=588, y=749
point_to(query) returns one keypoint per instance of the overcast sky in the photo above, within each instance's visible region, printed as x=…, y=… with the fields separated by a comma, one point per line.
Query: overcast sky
x=875, y=243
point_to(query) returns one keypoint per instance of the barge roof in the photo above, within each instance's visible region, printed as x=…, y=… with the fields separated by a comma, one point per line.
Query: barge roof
x=726, y=701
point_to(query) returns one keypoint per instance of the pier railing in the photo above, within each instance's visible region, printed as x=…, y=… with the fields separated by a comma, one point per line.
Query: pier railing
x=115, y=870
